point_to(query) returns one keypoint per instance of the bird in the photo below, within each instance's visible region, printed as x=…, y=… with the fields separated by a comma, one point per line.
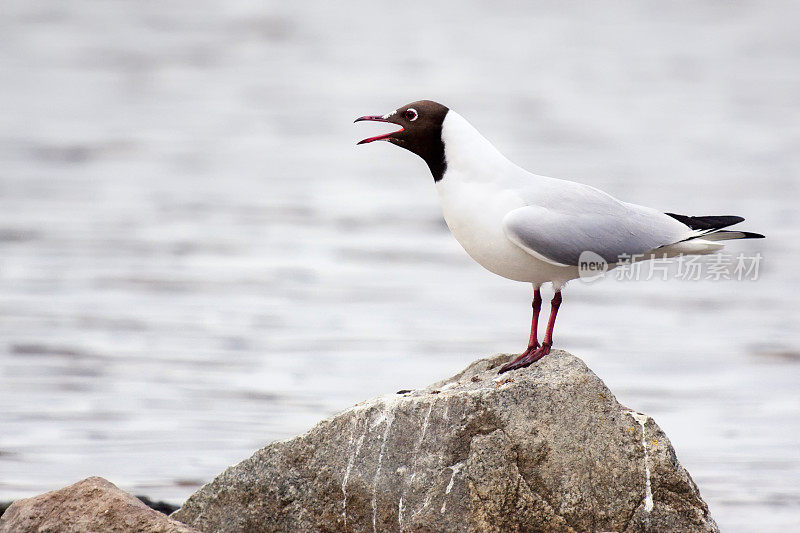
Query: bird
x=532, y=228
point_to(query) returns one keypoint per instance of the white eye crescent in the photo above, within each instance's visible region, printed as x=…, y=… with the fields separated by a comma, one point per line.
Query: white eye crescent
x=410, y=114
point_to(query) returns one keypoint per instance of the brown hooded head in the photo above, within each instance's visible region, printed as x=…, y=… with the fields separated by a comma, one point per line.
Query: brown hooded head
x=420, y=132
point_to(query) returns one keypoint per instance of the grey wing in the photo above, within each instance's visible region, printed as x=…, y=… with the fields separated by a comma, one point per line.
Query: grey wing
x=619, y=229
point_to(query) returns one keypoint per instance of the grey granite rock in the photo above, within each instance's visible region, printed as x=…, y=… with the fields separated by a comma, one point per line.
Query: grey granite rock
x=546, y=448
x=91, y=505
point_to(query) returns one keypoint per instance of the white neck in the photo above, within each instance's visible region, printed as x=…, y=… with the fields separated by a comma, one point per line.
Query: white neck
x=467, y=152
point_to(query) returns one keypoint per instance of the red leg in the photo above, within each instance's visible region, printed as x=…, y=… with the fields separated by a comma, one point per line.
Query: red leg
x=533, y=341
x=532, y=355
x=547, y=342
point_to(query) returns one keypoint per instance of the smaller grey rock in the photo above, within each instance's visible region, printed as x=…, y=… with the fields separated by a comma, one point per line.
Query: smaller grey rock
x=91, y=505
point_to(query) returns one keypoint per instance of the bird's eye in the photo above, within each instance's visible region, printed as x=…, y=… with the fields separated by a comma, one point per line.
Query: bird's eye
x=410, y=114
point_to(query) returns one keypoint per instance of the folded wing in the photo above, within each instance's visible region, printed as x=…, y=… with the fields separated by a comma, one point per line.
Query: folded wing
x=613, y=232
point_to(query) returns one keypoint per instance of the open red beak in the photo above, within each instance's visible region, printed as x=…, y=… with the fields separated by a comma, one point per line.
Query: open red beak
x=376, y=118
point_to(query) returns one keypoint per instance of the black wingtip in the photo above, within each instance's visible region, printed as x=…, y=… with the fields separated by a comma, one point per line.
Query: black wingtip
x=708, y=222
x=751, y=235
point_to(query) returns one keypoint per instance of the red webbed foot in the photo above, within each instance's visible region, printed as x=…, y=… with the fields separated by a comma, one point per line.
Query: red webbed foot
x=530, y=356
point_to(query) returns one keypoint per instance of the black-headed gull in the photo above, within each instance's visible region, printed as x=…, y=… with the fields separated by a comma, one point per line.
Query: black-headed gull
x=533, y=228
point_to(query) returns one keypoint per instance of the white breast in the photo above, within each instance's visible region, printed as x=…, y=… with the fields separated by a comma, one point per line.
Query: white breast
x=474, y=203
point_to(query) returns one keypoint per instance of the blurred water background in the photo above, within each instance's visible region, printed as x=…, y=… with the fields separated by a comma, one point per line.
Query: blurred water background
x=195, y=259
